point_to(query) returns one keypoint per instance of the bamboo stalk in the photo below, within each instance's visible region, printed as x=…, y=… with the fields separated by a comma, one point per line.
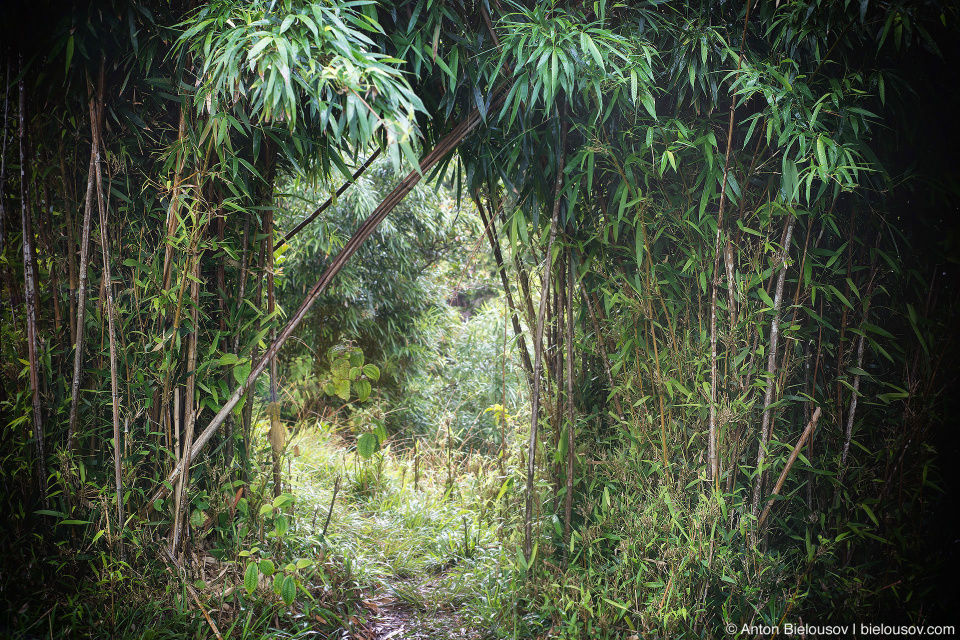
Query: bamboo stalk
x=843, y=320
x=30, y=293
x=502, y=269
x=276, y=433
x=346, y=185
x=538, y=354
x=111, y=335
x=713, y=467
x=848, y=435
x=190, y=411
x=443, y=148
x=171, y=225
x=3, y=159
x=571, y=418
x=786, y=469
x=524, y=290
x=96, y=115
x=71, y=246
x=772, y=361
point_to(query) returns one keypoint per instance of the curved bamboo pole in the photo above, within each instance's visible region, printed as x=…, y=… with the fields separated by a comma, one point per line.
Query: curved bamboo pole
x=446, y=145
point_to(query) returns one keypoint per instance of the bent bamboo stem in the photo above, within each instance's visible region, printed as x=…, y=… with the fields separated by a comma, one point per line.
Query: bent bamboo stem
x=444, y=147
x=502, y=268
x=793, y=458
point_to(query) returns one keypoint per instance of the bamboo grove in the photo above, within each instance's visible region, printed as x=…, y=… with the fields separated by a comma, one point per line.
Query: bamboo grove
x=736, y=339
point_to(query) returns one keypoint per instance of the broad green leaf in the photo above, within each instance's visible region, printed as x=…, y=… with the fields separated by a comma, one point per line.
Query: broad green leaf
x=371, y=371
x=367, y=445
x=266, y=567
x=242, y=371
x=288, y=590
x=250, y=578
x=363, y=389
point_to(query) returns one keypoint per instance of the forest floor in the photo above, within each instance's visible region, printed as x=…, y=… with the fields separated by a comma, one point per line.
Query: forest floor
x=428, y=562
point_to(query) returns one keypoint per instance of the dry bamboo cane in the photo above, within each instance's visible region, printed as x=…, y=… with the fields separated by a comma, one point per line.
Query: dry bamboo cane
x=538, y=355
x=786, y=469
x=111, y=336
x=444, y=147
x=30, y=294
x=95, y=118
x=772, y=362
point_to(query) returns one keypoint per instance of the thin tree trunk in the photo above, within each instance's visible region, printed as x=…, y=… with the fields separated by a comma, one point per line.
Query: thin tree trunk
x=772, y=362
x=443, y=148
x=96, y=114
x=538, y=354
x=30, y=295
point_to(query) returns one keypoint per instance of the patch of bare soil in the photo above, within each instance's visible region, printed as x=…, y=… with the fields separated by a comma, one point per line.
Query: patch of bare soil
x=409, y=611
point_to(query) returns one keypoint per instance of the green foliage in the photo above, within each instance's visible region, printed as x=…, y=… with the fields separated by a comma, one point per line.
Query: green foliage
x=347, y=371
x=305, y=65
x=698, y=154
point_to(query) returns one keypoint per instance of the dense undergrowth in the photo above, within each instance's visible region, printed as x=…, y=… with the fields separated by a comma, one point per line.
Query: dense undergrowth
x=713, y=383
x=422, y=534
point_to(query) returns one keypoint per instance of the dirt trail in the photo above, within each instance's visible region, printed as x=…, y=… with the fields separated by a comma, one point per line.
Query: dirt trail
x=396, y=619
